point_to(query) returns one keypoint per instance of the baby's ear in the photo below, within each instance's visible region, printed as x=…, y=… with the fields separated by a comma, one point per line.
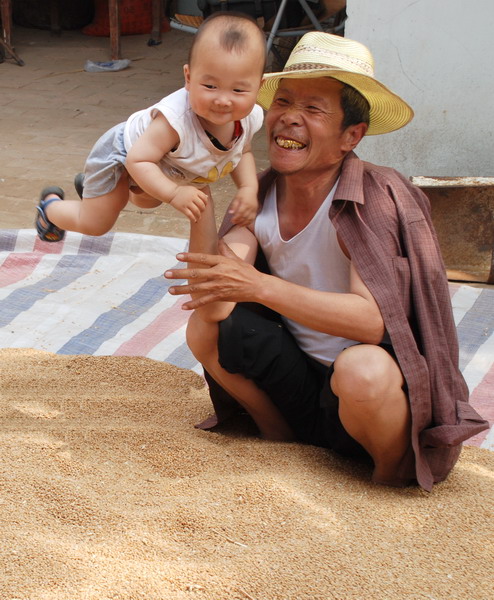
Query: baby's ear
x=186, y=76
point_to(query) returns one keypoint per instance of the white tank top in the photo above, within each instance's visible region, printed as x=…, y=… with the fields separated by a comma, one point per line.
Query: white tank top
x=313, y=258
x=196, y=160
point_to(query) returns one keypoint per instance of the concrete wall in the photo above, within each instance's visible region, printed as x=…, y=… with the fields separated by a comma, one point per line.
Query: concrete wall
x=438, y=55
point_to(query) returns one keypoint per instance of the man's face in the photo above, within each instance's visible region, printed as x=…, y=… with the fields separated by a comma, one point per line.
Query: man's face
x=304, y=126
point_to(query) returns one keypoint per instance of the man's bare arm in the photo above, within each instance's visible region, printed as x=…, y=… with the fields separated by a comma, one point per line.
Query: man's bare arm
x=226, y=278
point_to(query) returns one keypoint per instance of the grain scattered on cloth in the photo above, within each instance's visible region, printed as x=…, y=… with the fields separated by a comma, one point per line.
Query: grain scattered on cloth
x=109, y=493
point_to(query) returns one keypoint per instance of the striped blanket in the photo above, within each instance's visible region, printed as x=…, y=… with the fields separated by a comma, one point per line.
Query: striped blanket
x=107, y=296
x=92, y=295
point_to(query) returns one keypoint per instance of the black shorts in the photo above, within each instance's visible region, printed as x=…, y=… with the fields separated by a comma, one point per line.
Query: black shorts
x=262, y=349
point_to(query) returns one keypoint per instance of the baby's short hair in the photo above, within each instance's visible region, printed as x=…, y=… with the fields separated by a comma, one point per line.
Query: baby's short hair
x=234, y=33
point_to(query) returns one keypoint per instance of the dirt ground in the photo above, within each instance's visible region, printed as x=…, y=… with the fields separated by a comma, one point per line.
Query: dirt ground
x=52, y=111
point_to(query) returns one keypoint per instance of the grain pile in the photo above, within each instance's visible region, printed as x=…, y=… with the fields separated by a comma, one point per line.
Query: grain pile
x=108, y=492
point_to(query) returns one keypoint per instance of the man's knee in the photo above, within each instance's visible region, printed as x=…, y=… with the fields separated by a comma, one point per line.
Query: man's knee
x=365, y=373
x=202, y=338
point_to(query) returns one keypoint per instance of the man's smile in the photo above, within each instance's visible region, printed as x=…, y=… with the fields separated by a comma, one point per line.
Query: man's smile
x=288, y=143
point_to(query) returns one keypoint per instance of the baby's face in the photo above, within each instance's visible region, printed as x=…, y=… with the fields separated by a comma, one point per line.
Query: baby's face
x=223, y=85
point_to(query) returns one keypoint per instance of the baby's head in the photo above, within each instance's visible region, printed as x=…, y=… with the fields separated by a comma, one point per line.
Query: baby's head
x=225, y=67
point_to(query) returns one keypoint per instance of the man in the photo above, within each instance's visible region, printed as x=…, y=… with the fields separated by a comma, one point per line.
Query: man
x=357, y=349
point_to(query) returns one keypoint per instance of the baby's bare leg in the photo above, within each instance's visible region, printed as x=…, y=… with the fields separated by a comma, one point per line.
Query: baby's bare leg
x=141, y=199
x=90, y=216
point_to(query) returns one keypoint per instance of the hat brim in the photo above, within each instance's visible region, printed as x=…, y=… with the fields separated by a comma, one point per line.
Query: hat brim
x=388, y=112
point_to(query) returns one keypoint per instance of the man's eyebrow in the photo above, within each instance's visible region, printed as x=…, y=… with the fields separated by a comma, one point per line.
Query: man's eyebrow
x=316, y=99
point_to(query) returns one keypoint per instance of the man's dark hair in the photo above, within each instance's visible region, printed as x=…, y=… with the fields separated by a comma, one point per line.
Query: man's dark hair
x=234, y=30
x=355, y=107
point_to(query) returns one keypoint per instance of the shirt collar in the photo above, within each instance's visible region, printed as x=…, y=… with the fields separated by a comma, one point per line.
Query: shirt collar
x=351, y=183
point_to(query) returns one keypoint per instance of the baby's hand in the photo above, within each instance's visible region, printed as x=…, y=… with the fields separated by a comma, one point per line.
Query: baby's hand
x=244, y=207
x=190, y=201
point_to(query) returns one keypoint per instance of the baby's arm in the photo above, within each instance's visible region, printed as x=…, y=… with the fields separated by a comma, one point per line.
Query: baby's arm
x=244, y=206
x=142, y=164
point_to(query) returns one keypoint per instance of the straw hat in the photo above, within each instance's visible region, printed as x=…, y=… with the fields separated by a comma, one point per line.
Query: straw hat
x=319, y=54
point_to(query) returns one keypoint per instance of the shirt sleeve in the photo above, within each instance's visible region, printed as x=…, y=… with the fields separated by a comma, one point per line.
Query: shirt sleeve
x=253, y=122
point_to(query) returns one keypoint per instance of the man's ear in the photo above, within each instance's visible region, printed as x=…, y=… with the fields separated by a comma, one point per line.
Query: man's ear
x=353, y=135
x=186, y=76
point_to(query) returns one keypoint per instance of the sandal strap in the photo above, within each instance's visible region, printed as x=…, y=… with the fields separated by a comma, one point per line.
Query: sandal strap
x=49, y=232
x=43, y=204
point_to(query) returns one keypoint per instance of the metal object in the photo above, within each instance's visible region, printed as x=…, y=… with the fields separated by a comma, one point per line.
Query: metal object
x=463, y=214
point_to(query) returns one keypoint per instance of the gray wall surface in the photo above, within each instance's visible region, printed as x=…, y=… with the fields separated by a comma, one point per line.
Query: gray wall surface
x=438, y=55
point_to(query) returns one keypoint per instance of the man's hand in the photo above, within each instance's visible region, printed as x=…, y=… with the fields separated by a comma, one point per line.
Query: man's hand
x=224, y=278
x=190, y=201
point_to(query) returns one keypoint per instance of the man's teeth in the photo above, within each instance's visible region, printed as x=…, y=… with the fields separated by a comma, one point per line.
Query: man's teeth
x=288, y=143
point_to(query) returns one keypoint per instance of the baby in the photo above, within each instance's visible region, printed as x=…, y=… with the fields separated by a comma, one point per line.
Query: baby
x=170, y=153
